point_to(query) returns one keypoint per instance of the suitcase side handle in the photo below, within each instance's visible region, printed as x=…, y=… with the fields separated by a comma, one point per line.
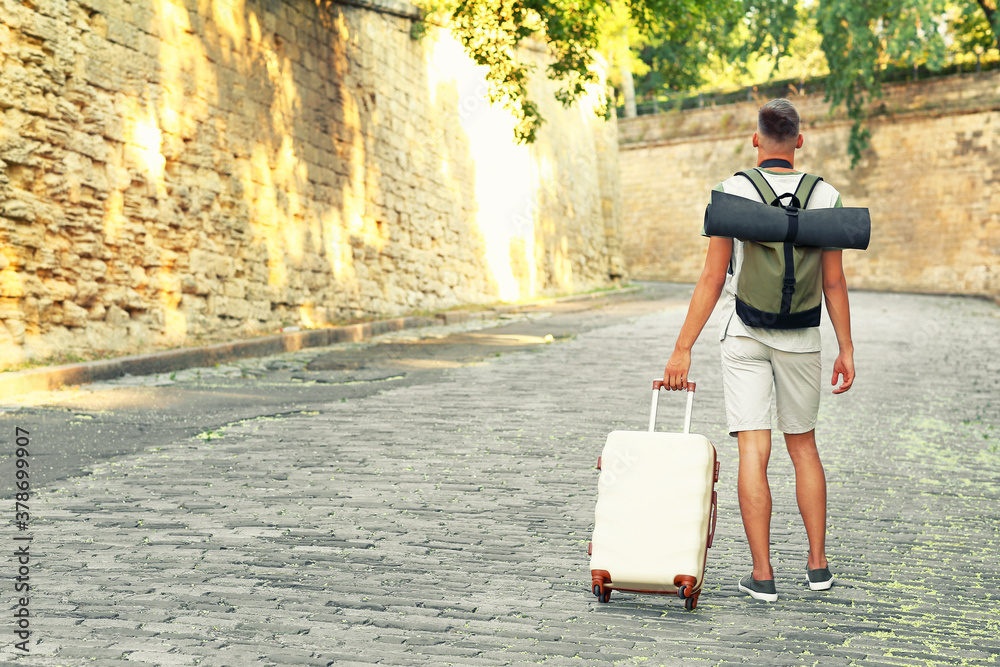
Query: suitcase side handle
x=715, y=517
x=657, y=385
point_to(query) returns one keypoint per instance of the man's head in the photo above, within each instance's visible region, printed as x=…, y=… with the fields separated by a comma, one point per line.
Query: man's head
x=778, y=128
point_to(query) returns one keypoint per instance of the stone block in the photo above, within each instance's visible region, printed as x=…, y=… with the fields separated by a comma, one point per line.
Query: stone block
x=117, y=318
x=137, y=277
x=11, y=284
x=16, y=330
x=59, y=290
x=91, y=268
x=135, y=301
x=221, y=267
x=74, y=315
x=10, y=309
x=236, y=308
x=190, y=305
x=86, y=293
x=234, y=288
x=49, y=312
x=259, y=310
x=166, y=281
x=18, y=209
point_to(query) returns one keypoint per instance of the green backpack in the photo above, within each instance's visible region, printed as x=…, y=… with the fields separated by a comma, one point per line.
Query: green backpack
x=781, y=284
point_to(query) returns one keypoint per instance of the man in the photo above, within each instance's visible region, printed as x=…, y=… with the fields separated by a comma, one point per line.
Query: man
x=757, y=361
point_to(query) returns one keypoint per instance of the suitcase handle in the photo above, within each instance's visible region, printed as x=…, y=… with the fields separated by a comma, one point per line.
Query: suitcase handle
x=715, y=516
x=657, y=385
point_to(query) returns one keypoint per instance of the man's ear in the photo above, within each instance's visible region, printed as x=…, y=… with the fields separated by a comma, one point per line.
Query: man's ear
x=756, y=142
x=798, y=144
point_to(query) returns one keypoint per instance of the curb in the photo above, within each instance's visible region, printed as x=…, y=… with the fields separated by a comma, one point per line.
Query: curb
x=54, y=377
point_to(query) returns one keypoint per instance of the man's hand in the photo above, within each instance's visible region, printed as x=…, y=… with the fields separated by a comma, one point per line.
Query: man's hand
x=843, y=366
x=675, y=375
x=835, y=290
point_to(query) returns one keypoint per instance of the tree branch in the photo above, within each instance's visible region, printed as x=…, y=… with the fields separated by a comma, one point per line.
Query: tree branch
x=991, y=16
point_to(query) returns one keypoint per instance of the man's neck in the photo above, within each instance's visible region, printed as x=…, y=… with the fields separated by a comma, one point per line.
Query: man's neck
x=790, y=159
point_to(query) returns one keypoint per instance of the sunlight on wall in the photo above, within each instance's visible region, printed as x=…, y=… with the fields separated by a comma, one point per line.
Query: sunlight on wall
x=144, y=141
x=506, y=177
x=229, y=19
x=270, y=166
x=307, y=315
x=272, y=174
x=11, y=294
x=258, y=114
x=175, y=322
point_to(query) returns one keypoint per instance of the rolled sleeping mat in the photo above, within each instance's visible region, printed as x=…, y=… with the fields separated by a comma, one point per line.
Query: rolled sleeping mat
x=749, y=220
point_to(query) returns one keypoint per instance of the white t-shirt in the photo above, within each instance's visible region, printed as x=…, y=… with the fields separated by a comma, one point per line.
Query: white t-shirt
x=730, y=324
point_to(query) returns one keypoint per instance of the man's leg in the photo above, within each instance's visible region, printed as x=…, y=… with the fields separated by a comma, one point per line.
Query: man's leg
x=810, y=491
x=748, y=381
x=755, y=498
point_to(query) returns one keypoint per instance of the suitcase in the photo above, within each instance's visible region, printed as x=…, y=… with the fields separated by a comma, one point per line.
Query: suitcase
x=656, y=511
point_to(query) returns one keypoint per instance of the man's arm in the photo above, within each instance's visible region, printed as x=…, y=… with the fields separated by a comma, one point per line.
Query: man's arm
x=835, y=290
x=706, y=295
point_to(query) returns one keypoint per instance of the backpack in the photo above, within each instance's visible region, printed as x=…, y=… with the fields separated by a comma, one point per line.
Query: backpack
x=780, y=284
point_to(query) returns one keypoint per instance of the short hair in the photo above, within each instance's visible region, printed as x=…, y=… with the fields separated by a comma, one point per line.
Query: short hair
x=778, y=120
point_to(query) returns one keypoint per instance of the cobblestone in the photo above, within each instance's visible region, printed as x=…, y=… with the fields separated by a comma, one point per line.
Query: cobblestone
x=447, y=523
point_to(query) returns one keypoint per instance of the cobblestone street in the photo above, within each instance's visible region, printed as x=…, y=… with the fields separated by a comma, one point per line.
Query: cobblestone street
x=447, y=522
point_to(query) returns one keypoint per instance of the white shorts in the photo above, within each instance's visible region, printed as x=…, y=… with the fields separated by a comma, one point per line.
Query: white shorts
x=751, y=369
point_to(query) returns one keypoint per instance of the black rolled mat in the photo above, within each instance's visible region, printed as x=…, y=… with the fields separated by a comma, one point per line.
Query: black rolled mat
x=748, y=220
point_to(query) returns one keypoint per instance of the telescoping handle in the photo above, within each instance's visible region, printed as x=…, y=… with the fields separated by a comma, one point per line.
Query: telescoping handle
x=657, y=384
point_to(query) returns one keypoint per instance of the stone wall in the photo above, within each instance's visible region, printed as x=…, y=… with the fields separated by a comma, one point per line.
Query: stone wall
x=182, y=170
x=931, y=179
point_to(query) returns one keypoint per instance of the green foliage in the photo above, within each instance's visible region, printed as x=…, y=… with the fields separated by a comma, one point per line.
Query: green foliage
x=861, y=39
x=679, y=45
x=693, y=44
x=771, y=26
x=974, y=26
x=621, y=43
x=491, y=30
x=751, y=48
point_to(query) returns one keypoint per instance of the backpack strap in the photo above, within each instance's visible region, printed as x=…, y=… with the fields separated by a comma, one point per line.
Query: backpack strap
x=760, y=184
x=807, y=185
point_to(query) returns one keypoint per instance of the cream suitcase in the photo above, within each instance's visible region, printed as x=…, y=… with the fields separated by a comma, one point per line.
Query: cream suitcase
x=656, y=511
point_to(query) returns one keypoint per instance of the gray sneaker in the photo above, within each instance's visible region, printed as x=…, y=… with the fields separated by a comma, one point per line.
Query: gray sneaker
x=759, y=590
x=820, y=579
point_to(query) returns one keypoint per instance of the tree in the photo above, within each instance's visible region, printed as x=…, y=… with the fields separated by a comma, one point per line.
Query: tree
x=992, y=17
x=677, y=49
x=675, y=38
x=861, y=39
x=490, y=30
x=620, y=43
x=975, y=26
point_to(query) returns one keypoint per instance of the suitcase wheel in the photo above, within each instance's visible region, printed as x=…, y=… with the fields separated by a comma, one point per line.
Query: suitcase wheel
x=682, y=592
x=599, y=578
x=690, y=603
